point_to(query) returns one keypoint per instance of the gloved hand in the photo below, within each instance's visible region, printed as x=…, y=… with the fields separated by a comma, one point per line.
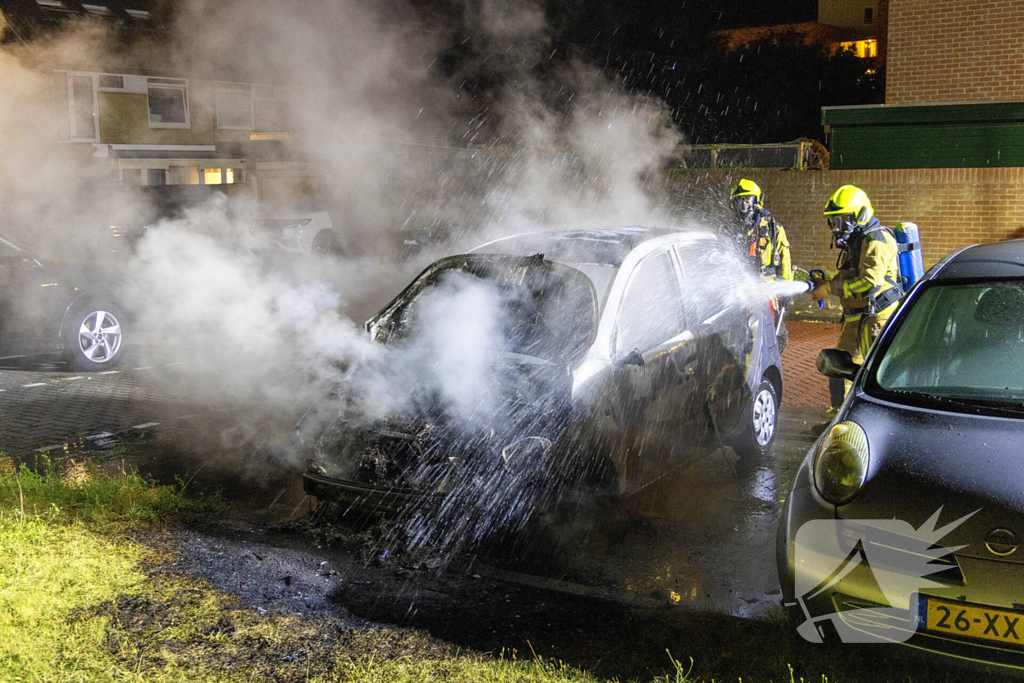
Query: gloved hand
x=821, y=285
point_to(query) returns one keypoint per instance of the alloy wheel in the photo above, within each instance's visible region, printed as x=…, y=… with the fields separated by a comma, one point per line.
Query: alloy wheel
x=99, y=336
x=764, y=417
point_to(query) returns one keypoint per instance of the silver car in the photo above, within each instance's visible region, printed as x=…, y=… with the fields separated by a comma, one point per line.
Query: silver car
x=630, y=352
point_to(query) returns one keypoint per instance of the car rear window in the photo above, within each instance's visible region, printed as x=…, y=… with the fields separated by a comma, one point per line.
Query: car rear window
x=959, y=345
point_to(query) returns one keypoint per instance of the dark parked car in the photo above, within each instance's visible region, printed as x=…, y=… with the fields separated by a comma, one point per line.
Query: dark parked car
x=626, y=353
x=931, y=434
x=59, y=309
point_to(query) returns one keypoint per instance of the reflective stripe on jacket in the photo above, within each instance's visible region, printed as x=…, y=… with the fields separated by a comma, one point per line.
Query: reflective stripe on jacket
x=769, y=248
x=870, y=285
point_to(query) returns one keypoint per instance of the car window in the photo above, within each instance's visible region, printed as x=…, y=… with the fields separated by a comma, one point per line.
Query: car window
x=651, y=308
x=712, y=280
x=963, y=342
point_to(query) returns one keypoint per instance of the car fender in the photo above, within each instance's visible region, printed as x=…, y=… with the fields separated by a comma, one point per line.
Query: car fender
x=83, y=298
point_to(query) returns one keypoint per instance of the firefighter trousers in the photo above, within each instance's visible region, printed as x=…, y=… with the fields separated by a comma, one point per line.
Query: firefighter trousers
x=856, y=336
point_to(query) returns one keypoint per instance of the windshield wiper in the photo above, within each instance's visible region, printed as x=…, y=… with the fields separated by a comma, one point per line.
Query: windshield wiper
x=978, y=405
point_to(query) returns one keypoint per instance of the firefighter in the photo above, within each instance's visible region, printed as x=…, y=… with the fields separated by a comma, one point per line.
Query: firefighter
x=764, y=240
x=867, y=283
x=764, y=236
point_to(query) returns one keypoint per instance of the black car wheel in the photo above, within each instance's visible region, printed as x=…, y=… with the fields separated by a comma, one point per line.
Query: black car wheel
x=95, y=339
x=326, y=243
x=758, y=433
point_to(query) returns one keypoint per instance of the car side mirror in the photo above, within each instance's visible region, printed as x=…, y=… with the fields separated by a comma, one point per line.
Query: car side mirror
x=837, y=364
x=634, y=357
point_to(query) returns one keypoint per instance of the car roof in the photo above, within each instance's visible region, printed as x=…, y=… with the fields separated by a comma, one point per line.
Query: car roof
x=1002, y=259
x=601, y=246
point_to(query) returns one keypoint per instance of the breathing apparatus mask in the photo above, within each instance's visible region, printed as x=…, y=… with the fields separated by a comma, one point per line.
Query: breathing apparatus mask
x=743, y=206
x=843, y=226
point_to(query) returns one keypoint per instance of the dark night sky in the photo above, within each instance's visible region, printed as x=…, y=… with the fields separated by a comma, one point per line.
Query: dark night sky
x=740, y=13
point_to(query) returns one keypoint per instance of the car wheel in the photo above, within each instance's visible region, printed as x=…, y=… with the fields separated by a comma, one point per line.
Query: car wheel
x=95, y=339
x=783, y=338
x=326, y=243
x=758, y=433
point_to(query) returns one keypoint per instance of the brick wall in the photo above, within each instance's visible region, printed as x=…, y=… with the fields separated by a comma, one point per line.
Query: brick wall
x=955, y=51
x=952, y=207
x=124, y=119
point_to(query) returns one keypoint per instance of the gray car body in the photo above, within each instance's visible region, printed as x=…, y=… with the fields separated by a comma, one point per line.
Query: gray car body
x=923, y=459
x=648, y=418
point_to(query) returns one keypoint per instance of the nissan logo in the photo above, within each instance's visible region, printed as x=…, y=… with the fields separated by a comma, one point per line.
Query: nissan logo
x=1001, y=542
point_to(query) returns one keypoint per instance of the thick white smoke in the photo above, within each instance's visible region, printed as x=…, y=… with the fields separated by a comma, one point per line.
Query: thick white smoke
x=388, y=125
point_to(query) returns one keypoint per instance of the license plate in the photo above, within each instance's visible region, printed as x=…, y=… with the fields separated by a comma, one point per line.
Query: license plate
x=974, y=621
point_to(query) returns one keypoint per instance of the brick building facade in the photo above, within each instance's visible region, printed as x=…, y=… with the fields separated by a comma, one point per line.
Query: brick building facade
x=955, y=51
x=953, y=207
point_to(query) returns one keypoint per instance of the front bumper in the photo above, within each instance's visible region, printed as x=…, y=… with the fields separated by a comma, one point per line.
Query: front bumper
x=851, y=599
x=365, y=498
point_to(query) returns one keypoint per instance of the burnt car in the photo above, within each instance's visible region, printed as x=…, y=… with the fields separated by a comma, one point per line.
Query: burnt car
x=929, y=437
x=623, y=353
x=60, y=310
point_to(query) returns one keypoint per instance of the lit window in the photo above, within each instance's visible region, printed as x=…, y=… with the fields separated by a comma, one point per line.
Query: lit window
x=869, y=15
x=861, y=48
x=230, y=176
x=168, y=103
x=211, y=176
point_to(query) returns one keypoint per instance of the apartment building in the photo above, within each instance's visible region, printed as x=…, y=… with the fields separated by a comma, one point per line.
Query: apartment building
x=173, y=133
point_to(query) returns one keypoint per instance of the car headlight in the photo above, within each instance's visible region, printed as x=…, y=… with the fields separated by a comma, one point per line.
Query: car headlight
x=841, y=463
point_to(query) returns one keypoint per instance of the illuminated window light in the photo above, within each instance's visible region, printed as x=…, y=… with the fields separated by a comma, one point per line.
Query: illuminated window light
x=861, y=48
x=230, y=176
x=211, y=176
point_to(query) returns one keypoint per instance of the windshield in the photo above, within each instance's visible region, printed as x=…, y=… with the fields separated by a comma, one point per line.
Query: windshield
x=527, y=305
x=960, y=345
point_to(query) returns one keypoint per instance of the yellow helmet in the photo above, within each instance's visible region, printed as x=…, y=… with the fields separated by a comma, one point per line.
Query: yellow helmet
x=742, y=189
x=850, y=200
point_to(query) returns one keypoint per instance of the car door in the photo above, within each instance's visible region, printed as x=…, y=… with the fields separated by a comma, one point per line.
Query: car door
x=28, y=296
x=648, y=387
x=725, y=331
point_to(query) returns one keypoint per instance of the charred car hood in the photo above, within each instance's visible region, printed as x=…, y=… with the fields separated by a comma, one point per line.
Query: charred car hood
x=923, y=460
x=531, y=406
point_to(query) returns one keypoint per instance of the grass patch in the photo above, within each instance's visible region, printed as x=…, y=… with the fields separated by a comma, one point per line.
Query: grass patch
x=78, y=604
x=83, y=599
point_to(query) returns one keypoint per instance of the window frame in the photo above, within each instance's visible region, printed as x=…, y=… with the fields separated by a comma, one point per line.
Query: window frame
x=72, y=112
x=616, y=349
x=179, y=84
x=217, y=90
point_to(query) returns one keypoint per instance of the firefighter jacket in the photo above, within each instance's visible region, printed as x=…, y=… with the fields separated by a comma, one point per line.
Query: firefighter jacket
x=868, y=278
x=769, y=248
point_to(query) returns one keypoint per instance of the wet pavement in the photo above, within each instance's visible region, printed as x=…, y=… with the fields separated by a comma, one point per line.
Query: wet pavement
x=702, y=538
